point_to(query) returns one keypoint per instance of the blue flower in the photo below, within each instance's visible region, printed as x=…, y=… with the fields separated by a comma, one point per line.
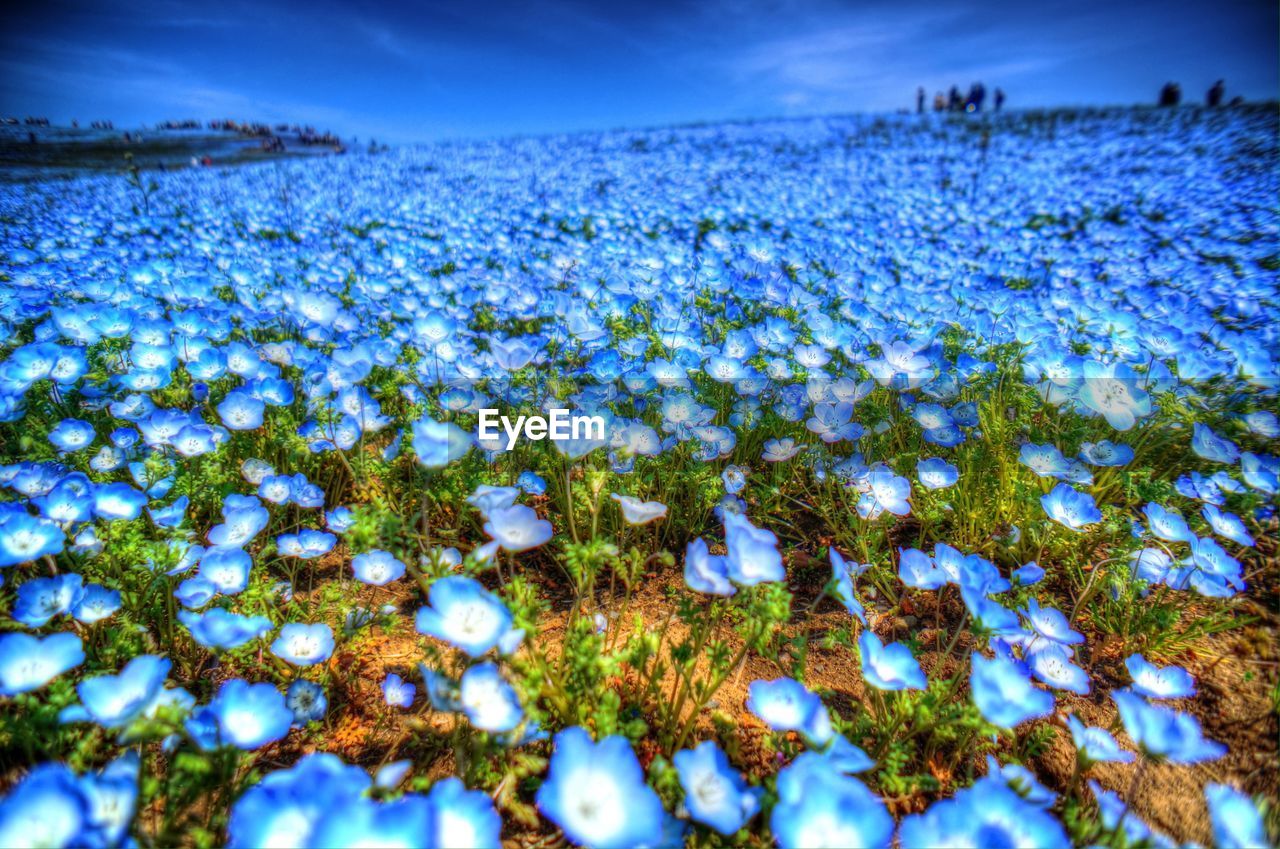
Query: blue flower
x=1051, y=624
x=714, y=792
x=241, y=411
x=47, y=807
x=1208, y=444
x=283, y=808
x=1004, y=694
x=1070, y=508
x=114, y=701
x=24, y=538
x=596, y=793
x=1045, y=460
x=307, y=700
x=1164, y=734
x=753, y=556
x=987, y=814
x=95, y=604
x=1051, y=663
x=705, y=572
x=226, y=568
x=820, y=806
x=936, y=473
x=916, y=569
x=842, y=584
x=464, y=614
x=223, y=630
x=1106, y=453
x=249, y=716
x=304, y=645
x=1227, y=525
x=463, y=818
x=885, y=491
x=1235, y=819
x=1095, y=745
x=41, y=599
x=28, y=663
x=1112, y=391
x=517, y=528
x=439, y=443
x=890, y=667
x=1171, y=682
x=377, y=567
x=787, y=705
x=397, y=692
x=488, y=700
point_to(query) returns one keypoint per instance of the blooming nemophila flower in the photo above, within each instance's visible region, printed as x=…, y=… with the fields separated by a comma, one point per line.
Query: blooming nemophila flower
x=989, y=813
x=95, y=604
x=490, y=703
x=1170, y=682
x=1164, y=734
x=307, y=700
x=71, y=435
x=1022, y=781
x=24, y=538
x=1112, y=391
x=714, y=792
x=842, y=575
x=1051, y=624
x=488, y=498
x=1051, y=663
x=226, y=568
x=1166, y=524
x=1070, y=508
x=936, y=473
x=1095, y=745
x=785, y=704
x=889, y=667
x=1117, y=816
x=118, y=501
x=377, y=567
x=437, y=444
x=597, y=795
x=753, y=556
x=819, y=806
x=241, y=411
x=705, y=572
x=1209, y=444
x=885, y=491
x=1045, y=460
x=41, y=599
x=1004, y=694
x=28, y=662
x=1227, y=525
x=1235, y=819
x=637, y=512
x=397, y=692
x=517, y=528
x=464, y=614
x=114, y=701
x=916, y=569
x=306, y=544
x=1106, y=453
x=249, y=716
x=221, y=629
x=283, y=808
x=48, y=807
x=734, y=478
x=304, y=645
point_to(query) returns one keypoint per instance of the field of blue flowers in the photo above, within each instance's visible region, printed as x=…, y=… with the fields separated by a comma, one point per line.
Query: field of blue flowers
x=935, y=505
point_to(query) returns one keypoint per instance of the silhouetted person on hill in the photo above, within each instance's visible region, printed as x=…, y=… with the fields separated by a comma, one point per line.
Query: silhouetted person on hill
x=920, y=100
x=1214, y=97
x=939, y=102
x=1170, y=94
x=954, y=102
x=999, y=98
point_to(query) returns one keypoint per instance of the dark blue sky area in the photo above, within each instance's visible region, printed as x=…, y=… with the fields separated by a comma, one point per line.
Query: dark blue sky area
x=430, y=70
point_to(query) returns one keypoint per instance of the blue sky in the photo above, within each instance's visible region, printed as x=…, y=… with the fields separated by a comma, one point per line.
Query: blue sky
x=428, y=70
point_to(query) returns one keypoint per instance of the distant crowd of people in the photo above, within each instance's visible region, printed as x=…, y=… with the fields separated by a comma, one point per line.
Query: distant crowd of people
x=954, y=101
x=1171, y=95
